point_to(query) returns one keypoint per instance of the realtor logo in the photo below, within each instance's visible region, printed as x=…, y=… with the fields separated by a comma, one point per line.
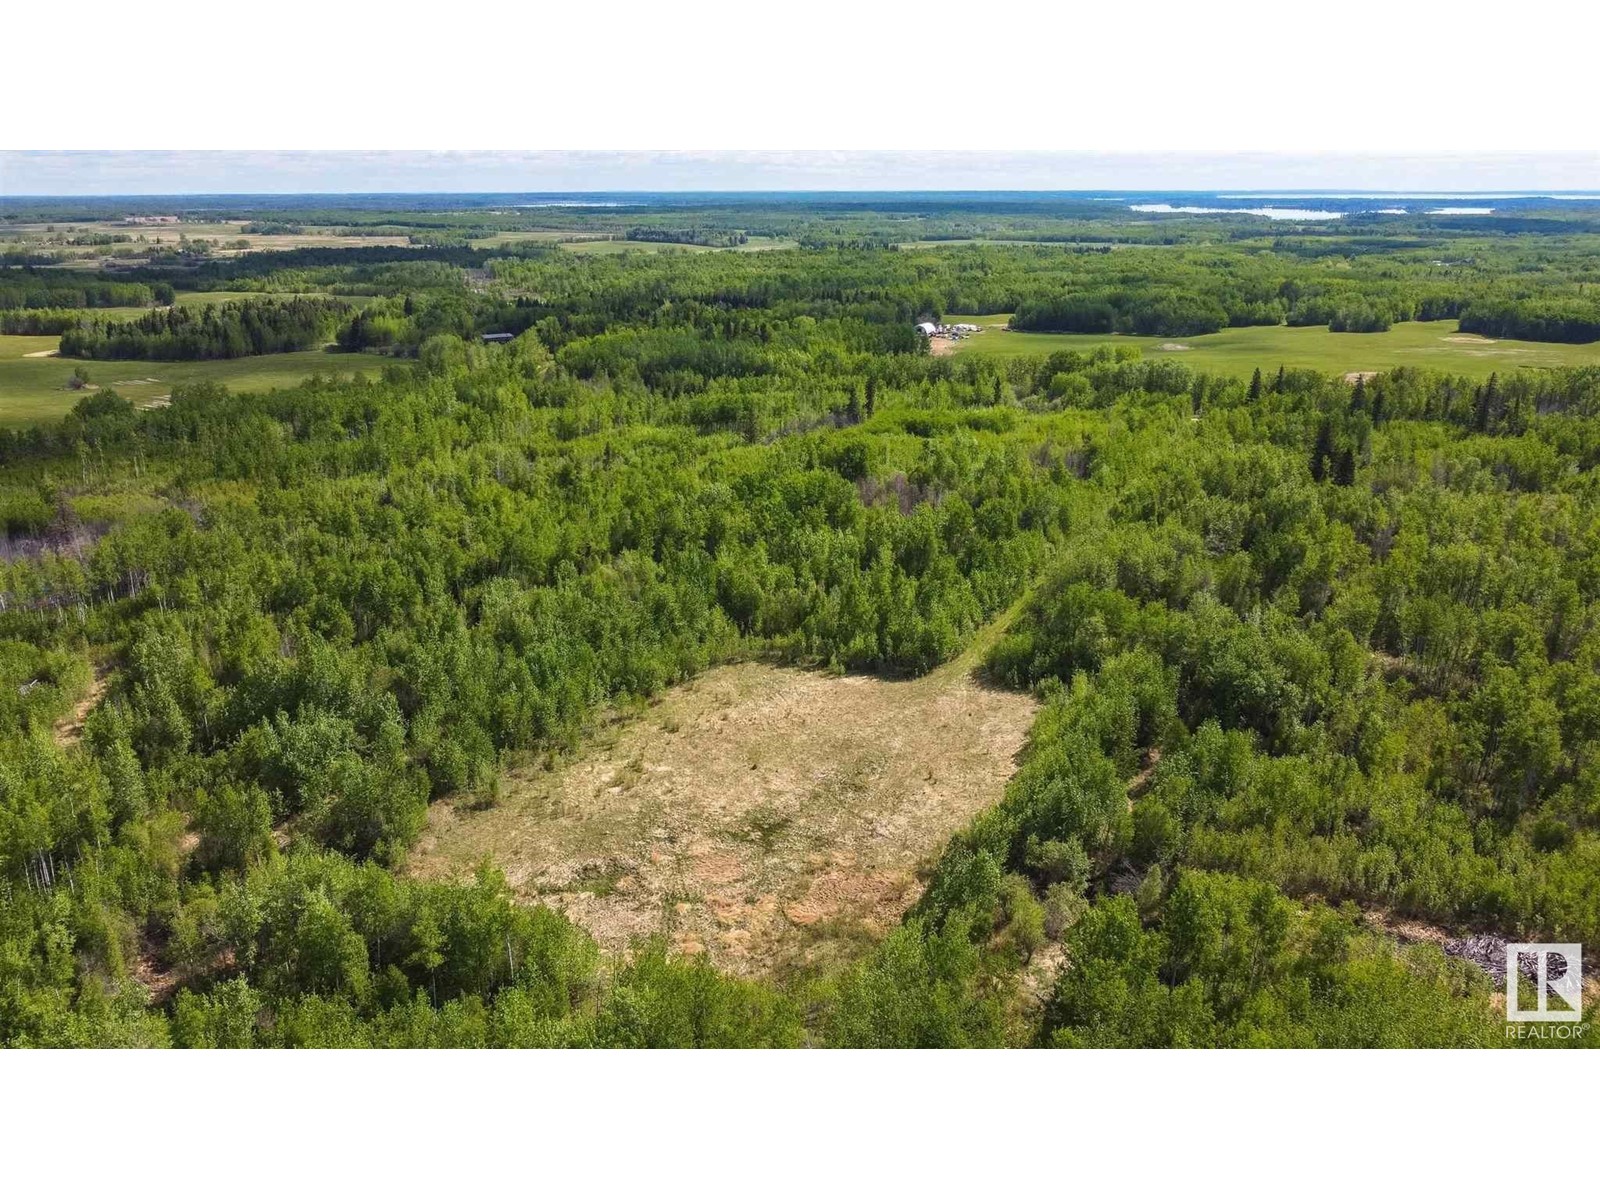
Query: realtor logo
x=1557, y=970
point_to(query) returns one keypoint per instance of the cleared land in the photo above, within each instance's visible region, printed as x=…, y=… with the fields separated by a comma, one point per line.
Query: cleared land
x=35, y=388
x=776, y=819
x=1437, y=345
x=56, y=238
x=615, y=243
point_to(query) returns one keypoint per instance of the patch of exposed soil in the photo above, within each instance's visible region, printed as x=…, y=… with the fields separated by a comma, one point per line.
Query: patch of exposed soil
x=68, y=731
x=773, y=818
x=152, y=970
x=1486, y=951
x=1359, y=376
x=1140, y=783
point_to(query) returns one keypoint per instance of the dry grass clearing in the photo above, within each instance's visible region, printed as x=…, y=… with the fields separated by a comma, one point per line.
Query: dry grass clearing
x=776, y=819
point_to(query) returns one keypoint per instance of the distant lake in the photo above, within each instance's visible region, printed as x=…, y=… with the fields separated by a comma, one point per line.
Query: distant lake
x=1272, y=214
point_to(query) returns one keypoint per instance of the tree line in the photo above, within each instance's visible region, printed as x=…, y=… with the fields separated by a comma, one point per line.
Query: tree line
x=194, y=332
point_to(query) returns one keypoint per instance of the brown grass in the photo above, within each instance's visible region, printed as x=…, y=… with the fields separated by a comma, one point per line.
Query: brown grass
x=776, y=819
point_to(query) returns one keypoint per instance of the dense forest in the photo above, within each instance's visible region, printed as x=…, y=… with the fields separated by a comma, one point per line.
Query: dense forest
x=1081, y=273
x=1313, y=655
x=45, y=289
x=188, y=333
x=1536, y=320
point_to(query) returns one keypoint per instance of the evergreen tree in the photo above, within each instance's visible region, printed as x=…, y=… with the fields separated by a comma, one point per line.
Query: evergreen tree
x=1358, y=395
x=1344, y=473
x=1321, y=451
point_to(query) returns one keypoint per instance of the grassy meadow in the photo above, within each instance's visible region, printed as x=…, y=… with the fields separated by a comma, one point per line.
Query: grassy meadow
x=35, y=388
x=617, y=244
x=1433, y=344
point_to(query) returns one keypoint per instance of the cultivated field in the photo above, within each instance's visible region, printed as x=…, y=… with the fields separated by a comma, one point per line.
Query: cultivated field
x=57, y=238
x=581, y=244
x=1433, y=344
x=776, y=819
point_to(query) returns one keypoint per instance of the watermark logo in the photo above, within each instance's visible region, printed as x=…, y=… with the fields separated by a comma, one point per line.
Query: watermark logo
x=1556, y=970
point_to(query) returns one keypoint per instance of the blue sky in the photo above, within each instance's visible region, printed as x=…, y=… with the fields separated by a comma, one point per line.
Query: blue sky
x=132, y=172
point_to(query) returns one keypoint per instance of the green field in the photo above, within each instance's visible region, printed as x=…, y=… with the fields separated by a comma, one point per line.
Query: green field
x=1433, y=344
x=35, y=389
x=619, y=244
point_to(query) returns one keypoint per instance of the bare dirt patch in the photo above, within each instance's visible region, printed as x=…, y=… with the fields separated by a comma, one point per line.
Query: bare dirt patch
x=68, y=731
x=1359, y=376
x=1172, y=347
x=1484, y=950
x=1469, y=339
x=939, y=347
x=773, y=818
x=41, y=354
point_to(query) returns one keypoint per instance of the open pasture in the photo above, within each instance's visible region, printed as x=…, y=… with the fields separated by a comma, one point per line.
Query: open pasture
x=1436, y=345
x=34, y=386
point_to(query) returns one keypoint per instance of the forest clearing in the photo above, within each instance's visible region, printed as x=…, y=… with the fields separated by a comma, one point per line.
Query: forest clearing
x=774, y=819
x=1434, y=345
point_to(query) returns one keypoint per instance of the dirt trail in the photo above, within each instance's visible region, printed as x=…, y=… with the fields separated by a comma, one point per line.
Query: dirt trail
x=770, y=817
x=68, y=731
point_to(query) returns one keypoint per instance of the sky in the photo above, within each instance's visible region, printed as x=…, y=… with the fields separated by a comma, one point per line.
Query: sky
x=128, y=172
x=725, y=94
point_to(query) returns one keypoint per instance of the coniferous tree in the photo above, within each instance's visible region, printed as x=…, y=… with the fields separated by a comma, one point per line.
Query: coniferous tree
x=1344, y=473
x=1321, y=451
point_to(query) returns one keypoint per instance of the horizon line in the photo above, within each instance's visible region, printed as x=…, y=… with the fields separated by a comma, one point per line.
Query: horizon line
x=1235, y=193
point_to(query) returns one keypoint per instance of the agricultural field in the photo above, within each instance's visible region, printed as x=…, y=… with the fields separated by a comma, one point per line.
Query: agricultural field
x=1435, y=345
x=75, y=241
x=34, y=384
x=612, y=244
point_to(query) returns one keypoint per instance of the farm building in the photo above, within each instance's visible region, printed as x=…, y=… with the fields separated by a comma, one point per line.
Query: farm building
x=927, y=329
x=498, y=337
